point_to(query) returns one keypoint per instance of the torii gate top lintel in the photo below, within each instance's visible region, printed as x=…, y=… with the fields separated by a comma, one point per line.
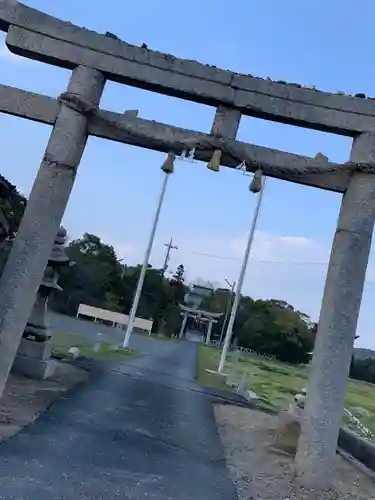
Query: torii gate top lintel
x=39, y=36
x=139, y=66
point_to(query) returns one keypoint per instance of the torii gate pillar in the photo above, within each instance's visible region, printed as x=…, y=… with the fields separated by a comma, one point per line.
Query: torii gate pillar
x=183, y=325
x=209, y=330
x=315, y=459
x=45, y=208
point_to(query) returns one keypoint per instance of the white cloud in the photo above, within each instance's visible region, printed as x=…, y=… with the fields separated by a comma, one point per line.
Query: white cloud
x=275, y=248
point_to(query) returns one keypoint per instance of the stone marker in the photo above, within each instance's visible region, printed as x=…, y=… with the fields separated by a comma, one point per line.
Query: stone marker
x=242, y=385
x=289, y=426
x=73, y=352
x=36, y=326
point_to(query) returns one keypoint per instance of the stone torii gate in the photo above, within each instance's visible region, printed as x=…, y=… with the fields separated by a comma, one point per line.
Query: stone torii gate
x=202, y=316
x=95, y=58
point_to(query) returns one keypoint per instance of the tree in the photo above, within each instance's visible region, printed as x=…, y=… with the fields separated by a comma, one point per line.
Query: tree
x=363, y=369
x=12, y=204
x=12, y=207
x=273, y=327
x=95, y=279
x=177, y=284
x=179, y=275
x=100, y=280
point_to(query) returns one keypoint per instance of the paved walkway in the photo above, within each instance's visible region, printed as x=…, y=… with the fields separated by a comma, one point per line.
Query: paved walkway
x=141, y=431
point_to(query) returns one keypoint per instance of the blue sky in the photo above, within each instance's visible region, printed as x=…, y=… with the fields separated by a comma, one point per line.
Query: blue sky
x=206, y=213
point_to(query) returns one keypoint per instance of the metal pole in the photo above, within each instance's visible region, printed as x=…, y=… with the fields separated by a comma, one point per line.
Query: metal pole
x=241, y=277
x=138, y=291
x=229, y=303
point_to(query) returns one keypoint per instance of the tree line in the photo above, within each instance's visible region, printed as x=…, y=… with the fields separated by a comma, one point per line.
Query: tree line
x=270, y=327
x=363, y=369
x=100, y=279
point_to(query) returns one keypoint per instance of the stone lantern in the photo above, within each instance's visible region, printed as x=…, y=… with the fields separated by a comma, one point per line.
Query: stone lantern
x=34, y=353
x=37, y=325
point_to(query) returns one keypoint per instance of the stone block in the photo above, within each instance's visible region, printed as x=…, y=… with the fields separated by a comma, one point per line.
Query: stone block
x=287, y=433
x=35, y=350
x=34, y=368
x=358, y=447
x=74, y=352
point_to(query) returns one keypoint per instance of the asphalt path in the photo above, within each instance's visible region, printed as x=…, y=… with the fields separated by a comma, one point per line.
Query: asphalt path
x=141, y=430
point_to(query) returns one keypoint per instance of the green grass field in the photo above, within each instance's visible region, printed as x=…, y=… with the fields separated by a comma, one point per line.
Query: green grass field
x=208, y=359
x=276, y=383
x=63, y=341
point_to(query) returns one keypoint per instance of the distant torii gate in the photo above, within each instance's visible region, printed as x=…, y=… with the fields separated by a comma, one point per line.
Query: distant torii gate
x=202, y=316
x=94, y=58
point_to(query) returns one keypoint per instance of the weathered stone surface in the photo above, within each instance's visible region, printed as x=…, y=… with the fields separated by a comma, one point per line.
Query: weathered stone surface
x=32, y=19
x=34, y=368
x=50, y=50
x=45, y=208
x=226, y=122
x=305, y=95
x=161, y=137
x=312, y=116
x=358, y=447
x=53, y=41
x=35, y=350
x=337, y=324
x=25, y=104
x=287, y=433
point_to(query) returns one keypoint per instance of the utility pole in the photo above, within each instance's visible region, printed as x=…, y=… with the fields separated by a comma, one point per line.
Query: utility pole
x=167, y=168
x=170, y=247
x=256, y=186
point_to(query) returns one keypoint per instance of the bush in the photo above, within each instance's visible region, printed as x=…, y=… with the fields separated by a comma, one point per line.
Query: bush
x=363, y=369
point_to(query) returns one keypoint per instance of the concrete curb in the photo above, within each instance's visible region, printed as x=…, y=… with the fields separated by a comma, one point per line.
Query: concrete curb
x=357, y=447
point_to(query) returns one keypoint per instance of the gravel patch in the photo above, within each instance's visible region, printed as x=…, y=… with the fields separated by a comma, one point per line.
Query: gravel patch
x=25, y=398
x=262, y=474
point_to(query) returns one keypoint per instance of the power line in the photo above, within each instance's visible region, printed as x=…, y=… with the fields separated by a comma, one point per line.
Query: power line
x=304, y=282
x=226, y=257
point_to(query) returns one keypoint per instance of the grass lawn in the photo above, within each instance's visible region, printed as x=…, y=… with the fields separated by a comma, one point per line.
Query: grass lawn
x=63, y=341
x=276, y=383
x=209, y=358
